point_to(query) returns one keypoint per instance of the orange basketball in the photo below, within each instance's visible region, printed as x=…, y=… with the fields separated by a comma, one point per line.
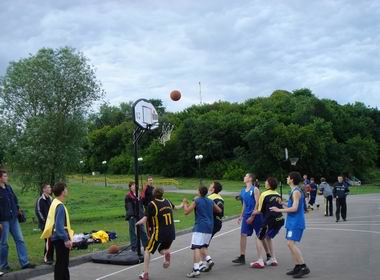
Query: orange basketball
x=175, y=95
x=113, y=249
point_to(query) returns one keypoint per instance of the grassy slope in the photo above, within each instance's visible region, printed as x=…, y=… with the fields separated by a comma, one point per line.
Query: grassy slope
x=93, y=208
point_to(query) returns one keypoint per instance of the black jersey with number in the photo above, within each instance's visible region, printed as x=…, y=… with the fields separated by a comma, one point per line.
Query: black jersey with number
x=160, y=220
x=267, y=200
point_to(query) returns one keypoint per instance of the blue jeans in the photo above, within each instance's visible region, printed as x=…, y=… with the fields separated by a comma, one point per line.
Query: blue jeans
x=132, y=234
x=12, y=227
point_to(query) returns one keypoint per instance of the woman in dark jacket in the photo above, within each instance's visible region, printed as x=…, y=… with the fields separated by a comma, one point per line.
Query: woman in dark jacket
x=131, y=202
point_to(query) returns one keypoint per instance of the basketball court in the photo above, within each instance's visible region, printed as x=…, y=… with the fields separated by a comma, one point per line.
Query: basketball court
x=345, y=250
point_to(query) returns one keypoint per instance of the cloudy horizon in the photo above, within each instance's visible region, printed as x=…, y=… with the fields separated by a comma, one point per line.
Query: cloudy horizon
x=236, y=49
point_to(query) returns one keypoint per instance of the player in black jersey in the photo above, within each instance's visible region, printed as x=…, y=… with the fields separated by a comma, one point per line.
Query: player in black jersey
x=272, y=221
x=159, y=216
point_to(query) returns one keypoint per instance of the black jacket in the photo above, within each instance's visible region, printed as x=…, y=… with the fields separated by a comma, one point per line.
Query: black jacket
x=131, y=205
x=340, y=190
x=147, y=196
x=8, y=204
x=42, y=209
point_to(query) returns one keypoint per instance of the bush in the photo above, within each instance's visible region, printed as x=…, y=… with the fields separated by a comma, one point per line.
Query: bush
x=235, y=171
x=120, y=164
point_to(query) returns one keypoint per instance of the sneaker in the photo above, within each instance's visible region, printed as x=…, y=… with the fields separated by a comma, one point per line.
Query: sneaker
x=302, y=271
x=29, y=265
x=6, y=270
x=210, y=264
x=203, y=268
x=239, y=260
x=166, y=263
x=193, y=274
x=49, y=262
x=1, y=273
x=344, y=220
x=144, y=276
x=294, y=271
x=271, y=262
x=257, y=264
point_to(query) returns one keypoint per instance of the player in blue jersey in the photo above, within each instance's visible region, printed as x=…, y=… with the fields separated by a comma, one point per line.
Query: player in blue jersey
x=295, y=224
x=249, y=195
x=204, y=209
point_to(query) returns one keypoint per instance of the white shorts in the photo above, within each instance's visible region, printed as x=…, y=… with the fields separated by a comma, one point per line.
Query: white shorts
x=200, y=240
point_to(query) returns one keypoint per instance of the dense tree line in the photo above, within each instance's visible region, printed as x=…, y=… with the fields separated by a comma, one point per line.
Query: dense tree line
x=328, y=138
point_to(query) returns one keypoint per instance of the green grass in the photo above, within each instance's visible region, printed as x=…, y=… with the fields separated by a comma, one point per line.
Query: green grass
x=93, y=208
x=230, y=185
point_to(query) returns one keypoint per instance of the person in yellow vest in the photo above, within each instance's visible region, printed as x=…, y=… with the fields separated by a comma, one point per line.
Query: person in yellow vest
x=58, y=228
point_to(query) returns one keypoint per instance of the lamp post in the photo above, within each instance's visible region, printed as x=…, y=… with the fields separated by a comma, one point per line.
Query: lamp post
x=199, y=158
x=81, y=167
x=104, y=162
x=140, y=160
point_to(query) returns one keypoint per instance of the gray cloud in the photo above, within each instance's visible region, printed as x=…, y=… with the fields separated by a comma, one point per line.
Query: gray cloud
x=237, y=49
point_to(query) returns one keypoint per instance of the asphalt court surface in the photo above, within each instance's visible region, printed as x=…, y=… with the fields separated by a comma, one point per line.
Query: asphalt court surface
x=344, y=250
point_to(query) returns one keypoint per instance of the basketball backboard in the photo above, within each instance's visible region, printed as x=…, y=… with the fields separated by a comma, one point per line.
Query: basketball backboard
x=144, y=114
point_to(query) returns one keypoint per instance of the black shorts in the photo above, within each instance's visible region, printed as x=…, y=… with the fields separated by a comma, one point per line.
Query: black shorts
x=216, y=229
x=270, y=229
x=153, y=245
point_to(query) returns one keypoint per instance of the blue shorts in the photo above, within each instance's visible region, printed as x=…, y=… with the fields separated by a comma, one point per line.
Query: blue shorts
x=247, y=229
x=294, y=234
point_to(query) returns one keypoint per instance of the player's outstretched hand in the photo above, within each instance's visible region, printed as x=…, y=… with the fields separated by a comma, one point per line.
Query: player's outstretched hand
x=274, y=209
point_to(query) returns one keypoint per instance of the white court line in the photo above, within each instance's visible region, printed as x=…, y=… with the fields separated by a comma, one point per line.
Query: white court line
x=349, y=230
x=358, y=217
x=342, y=224
x=224, y=233
x=179, y=250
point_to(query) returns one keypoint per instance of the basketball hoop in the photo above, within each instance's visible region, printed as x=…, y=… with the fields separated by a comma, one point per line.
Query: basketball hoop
x=293, y=161
x=166, y=133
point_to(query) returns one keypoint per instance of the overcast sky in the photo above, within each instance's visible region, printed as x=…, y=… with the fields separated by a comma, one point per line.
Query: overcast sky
x=237, y=49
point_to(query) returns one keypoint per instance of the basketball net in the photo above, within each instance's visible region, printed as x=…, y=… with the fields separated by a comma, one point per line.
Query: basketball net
x=166, y=133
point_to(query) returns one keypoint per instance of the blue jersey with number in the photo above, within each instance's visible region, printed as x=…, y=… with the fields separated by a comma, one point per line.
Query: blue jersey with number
x=248, y=200
x=296, y=220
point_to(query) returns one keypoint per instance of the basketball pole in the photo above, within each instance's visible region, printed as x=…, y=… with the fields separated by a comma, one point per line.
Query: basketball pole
x=136, y=137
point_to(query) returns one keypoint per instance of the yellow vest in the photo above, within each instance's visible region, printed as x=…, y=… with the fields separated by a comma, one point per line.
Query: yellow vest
x=50, y=221
x=215, y=196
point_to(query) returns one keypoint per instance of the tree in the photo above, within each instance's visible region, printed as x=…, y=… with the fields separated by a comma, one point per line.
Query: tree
x=45, y=99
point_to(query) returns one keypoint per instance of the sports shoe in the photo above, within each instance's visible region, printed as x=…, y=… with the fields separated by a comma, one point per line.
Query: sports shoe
x=210, y=264
x=166, y=263
x=1, y=273
x=239, y=260
x=29, y=265
x=303, y=271
x=257, y=264
x=294, y=271
x=271, y=262
x=203, y=267
x=193, y=274
x=144, y=276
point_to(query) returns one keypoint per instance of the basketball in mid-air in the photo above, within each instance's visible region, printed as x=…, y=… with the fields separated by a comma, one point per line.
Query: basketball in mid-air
x=175, y=95
x=113, y=249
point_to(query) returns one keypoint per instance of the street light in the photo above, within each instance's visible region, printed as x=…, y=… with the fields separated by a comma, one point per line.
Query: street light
x=81, y=165
x=199, y=158
x=104, y=162
x=140, y=160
